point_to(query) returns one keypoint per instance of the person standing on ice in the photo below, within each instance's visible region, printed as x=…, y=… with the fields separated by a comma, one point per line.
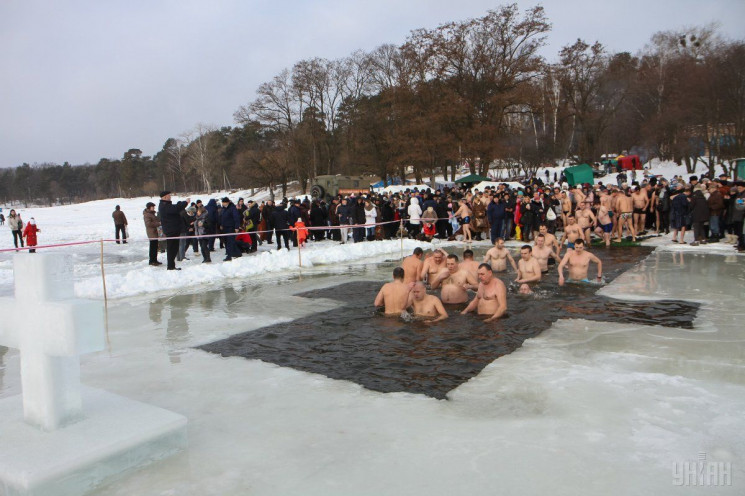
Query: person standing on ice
x=120, y=224
x=230, y=221
x=170, y=219
x=15, y=223
x=151, y=229
x=30, y=234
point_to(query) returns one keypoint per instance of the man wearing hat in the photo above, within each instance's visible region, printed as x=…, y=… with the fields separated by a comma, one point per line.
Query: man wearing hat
x=230, y=221
x=170, y=221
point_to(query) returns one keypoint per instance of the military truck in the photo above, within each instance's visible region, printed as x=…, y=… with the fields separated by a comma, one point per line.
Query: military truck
x=327, y=187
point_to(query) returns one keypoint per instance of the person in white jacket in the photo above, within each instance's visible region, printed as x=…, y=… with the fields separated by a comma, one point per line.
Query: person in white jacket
x=415, y=215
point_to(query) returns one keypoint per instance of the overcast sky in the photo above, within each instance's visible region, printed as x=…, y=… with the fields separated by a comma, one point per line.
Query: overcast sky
x=82, y=80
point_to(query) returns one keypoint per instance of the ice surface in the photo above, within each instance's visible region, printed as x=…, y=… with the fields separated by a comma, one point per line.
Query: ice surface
x=586, y=408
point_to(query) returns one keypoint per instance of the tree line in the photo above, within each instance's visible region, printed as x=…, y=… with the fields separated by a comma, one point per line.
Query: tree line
x=473, y=92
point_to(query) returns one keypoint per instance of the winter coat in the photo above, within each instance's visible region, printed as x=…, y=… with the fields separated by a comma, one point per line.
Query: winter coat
x=151, y=223
x=738, y=207
x=280, y=218
x=15, y=223
x=716, y=203
x=414, y=211
x=699, y=207
x=170, y=217
x=187, y=220
x=333, y=215
x=119, y=218
x=343, y=212
x=294, y=213
x=30, y=234
x=255, y=215
x=495, y=212
x=371, y=214
x=358, y=213
x=266, y=213
x=199, y=223
x=230, y=220
x=211, y=216
x=317, y=216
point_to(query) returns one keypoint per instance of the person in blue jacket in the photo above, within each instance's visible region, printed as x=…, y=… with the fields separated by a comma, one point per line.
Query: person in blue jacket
x=495, y=214
x=230, y=221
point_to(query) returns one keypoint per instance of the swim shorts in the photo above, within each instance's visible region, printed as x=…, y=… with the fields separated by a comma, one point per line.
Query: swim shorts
x=639, y=211
x=466, y=220
x=570, y=245
x=625, y=215
x=607, y=228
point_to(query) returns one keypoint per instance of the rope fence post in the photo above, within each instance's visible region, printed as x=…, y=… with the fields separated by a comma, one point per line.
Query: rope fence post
x=299, y=257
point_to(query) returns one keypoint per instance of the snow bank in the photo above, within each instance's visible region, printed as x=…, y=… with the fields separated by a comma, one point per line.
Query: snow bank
x=147, y=279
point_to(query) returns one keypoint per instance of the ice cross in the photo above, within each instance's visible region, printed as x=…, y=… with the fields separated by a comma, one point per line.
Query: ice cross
x=51, y=329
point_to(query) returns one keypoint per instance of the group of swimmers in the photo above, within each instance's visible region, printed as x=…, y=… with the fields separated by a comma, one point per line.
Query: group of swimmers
x=455, y=278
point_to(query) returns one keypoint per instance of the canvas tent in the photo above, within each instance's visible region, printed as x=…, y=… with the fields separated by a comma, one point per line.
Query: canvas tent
x=579, y=174
x=472, y=178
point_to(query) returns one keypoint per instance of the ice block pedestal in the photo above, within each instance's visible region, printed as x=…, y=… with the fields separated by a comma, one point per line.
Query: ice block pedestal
x=62, y=438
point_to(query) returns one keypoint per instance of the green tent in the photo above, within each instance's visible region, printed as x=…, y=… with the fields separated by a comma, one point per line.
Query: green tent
x=472, y=178
x=579, y=174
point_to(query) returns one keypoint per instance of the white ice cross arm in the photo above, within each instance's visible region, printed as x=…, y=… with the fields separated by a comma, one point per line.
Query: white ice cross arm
x=51, y=329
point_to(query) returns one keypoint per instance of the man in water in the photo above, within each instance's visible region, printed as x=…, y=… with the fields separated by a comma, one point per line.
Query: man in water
x=498, y=256
x=528, y=268
x=572, y=232
x=433, y=266
x=394, y=295
x=455, y=282
x=426, y=305
x=491, y=297
x=543, y=253
x=578, y=261
x=550, y=239
x=605, y=223
x=469, y=264
x=412, y=265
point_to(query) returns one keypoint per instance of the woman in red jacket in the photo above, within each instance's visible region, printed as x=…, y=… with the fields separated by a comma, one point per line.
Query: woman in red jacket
x=29, y=232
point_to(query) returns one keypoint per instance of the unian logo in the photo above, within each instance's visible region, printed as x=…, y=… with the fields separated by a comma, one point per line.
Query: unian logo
x=702, y=472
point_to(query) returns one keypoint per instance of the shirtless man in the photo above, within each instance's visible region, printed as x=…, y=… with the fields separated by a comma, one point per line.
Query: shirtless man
x=426, y=305
x=498, y=256
x=572, y=233
x=605, y=224
x=528, y=268
x=469, y=264
x=578, y=197
x=624, y=207
x=491, y=298
x=454, y=281
x=640, y=201
x=412, y=265
x=550, y=239
x=586, y=221
x=578, y=261
x=542, y=253
x=394, y=295
x=432, y=266
x=566, y=208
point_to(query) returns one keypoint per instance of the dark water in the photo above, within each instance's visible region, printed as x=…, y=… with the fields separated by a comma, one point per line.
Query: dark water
x=386, y=354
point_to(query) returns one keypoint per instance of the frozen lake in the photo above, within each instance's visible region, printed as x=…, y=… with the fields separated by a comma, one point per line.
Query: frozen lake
x=586, y=407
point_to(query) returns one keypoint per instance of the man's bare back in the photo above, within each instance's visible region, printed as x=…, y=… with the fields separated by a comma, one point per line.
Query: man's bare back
x=412, y=266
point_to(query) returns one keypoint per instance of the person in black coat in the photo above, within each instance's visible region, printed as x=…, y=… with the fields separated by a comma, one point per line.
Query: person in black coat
x=495, y=215
x=699, y=216
x=230, y=222
x=358, y=218
x=281, y=223
x=171, y=223
x=254, y=214
x=317, y=219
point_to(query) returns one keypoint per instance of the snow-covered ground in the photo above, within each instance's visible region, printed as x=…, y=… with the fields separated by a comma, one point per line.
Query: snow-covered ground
x=582, y=409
